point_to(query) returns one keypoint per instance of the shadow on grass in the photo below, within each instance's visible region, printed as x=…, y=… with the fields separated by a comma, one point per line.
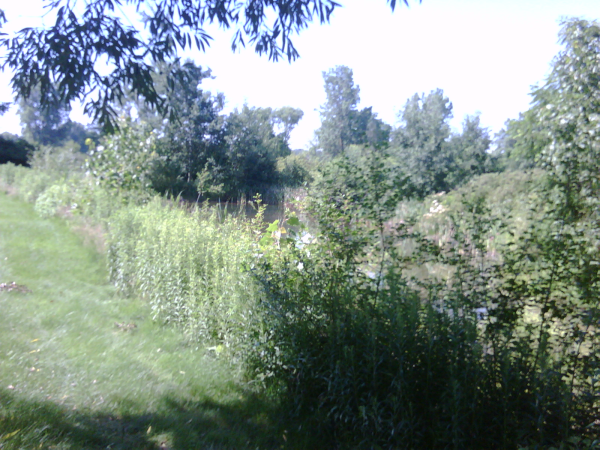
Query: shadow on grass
x=249, y=423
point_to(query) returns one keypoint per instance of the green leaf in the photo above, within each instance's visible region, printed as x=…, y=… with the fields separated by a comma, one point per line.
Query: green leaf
x=273, y=227
x=265, y=240
x=294, y=222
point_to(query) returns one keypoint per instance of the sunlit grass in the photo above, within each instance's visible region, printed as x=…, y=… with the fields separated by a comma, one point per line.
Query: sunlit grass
x=82, y=367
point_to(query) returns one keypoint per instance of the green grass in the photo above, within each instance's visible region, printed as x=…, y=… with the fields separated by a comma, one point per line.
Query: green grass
x=71, y=378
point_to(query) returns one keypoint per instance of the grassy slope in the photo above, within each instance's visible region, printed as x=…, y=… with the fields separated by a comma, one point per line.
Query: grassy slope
x=71, y=378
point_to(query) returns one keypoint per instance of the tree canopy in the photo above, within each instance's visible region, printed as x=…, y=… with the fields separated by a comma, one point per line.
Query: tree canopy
x=339, y=111
x=560, y=130
x=425, y=146
x=568, y=107
x=342, y=124
x=95, y=54
x=204, y=154
x=51, y=126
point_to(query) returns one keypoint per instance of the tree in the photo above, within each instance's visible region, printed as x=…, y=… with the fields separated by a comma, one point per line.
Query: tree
x=567, y=111
x=44, y=126
x=285, y=120
x=471, y=151
x=338, y=114
x=204, y=153
x=124, y=163
x=15, y=150
x=558, y=256
x=342, y=124
x=51, y=125
x=64, y=55
x=370, y=130
x=193, y=143
x=436, y=158
x=560, y=130
x=420, y=144
x=523, y=140
x=253, y=148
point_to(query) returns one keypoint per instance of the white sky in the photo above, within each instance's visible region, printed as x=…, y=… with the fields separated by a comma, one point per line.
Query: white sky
x=484, y=54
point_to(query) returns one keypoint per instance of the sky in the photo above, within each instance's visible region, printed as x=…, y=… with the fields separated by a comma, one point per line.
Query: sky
x=484, y=54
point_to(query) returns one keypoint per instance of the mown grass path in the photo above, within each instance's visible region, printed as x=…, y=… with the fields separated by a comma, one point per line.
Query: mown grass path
x=83, y=368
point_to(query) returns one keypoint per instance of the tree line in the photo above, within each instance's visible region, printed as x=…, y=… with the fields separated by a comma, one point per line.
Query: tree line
x=202, y=153
x=423, y=144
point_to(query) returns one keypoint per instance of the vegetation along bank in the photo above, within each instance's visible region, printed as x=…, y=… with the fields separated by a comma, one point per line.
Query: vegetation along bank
x=446, y=296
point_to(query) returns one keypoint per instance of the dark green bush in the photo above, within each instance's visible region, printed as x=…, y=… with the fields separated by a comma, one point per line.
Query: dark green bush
x=15, y=150
x=366, y=356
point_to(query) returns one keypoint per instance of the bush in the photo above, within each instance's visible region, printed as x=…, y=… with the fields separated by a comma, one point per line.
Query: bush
x=126, y=160
x=293, y=170
x=366, y=356
x=49, y=201
x=15, y=150
x=32, y=184
x=59, y=162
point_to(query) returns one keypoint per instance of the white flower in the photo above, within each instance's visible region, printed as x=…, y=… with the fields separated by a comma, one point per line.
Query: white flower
x=306, y=238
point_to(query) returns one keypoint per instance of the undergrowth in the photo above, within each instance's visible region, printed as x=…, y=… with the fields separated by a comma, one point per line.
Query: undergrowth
x=491, y=354
x=494, y=345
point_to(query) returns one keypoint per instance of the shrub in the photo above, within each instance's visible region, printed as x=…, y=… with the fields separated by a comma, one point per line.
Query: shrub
x=49, y=201
x=293, y=170
x=60, y=163
x=125, y=161
x=14, y=149
x=366, y=356
x=32, y=184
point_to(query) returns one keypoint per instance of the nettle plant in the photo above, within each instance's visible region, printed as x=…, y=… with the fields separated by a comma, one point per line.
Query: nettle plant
x=486, y=355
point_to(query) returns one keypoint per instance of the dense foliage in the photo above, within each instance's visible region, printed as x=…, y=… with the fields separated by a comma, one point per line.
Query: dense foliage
x=14, y=149
x=204, y=154
x=51, y=126
x=464, y=320
x=425, y=146
x=342, y=124
x=483, y=349
x=370, y=350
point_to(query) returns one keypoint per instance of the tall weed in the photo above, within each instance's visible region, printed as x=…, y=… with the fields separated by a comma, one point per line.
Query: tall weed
x=9, y=173
x=189, y=265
